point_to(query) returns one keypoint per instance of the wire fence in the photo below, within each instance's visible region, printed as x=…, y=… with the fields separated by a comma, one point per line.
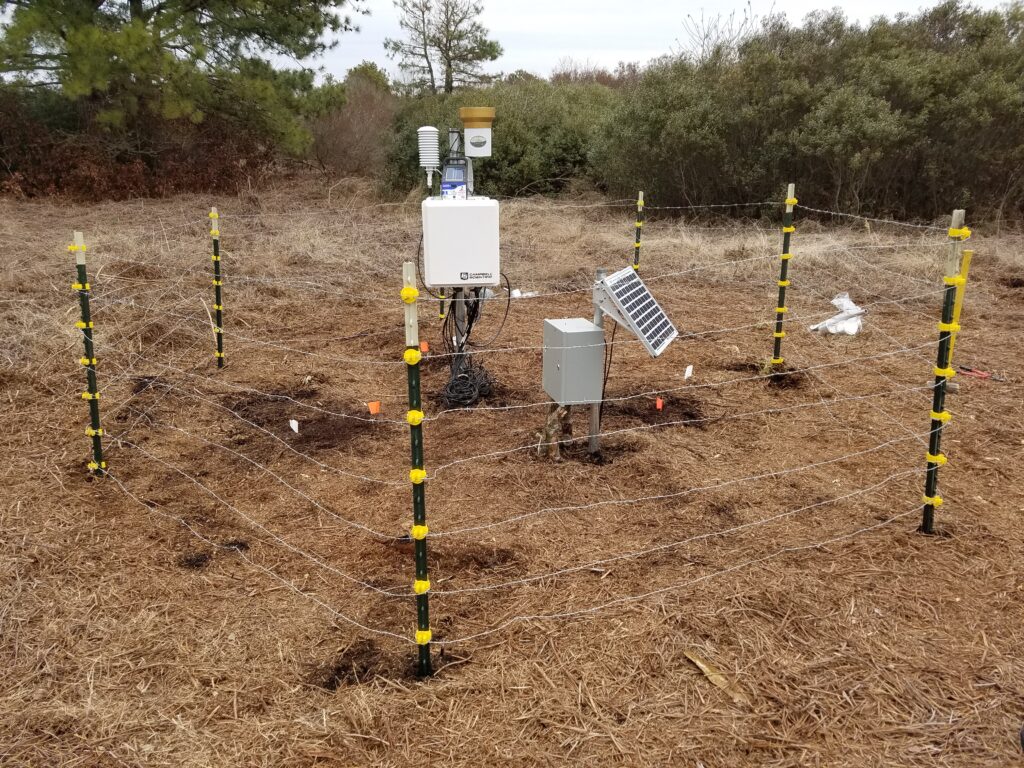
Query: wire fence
x=280, y=345
x=156, y=357
x=519, y=618
x=898, y=391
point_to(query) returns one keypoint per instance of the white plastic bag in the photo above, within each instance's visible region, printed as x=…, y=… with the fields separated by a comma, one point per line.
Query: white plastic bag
x=848, y=320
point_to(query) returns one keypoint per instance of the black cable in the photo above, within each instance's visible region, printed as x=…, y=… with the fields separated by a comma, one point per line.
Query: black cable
x=508, y=306
x=419, y=273
x=465, y=388
x=468, y=380
x=609, y=349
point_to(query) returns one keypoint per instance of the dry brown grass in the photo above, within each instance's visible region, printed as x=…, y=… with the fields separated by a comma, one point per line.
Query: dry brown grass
x=172, y=631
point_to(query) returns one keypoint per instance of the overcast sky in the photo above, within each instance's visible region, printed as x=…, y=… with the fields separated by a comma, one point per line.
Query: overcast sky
x=537, y=34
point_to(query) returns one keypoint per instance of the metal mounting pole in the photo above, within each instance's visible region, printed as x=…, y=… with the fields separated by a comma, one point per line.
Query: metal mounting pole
x=459, y=300
x=594, y=445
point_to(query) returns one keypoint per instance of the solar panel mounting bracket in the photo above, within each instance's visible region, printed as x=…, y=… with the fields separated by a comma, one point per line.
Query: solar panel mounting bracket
x=607, y=306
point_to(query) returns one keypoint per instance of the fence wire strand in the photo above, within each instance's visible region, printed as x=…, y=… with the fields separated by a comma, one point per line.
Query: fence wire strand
x=569, y=508
x=672, y=587
x=268, y=571
x=260, y=527
x=593, y=564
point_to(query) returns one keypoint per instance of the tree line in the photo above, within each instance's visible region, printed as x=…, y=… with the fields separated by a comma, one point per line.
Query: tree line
x=908, y=116
x=128, y=97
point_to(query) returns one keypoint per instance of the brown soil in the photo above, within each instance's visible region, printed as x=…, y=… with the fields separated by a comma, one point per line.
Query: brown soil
x=362, y=662
x=194, y=560
x=684, y=411
x=318, y=431
x=235, y=593
x=781, y=376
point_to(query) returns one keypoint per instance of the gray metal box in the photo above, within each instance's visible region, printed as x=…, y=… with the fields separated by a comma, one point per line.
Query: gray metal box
x=573, y=360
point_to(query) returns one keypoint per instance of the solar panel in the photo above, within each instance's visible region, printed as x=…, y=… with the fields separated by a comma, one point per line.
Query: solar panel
x=624, y=296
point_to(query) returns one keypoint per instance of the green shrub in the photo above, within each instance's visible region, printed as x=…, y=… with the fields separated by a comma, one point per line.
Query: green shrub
x=542, y=134
x=50, y=146
x=908, y=117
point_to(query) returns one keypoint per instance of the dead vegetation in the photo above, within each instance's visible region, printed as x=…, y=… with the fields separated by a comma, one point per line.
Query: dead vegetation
x=782, y=616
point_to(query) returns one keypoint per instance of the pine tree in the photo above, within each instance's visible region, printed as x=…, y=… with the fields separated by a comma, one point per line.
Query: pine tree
x=415, y=54
x=444, y=40
x=132, y=60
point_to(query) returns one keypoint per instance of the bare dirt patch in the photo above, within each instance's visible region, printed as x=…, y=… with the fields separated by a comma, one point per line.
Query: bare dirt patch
x=780, y=377
x=676, y=410
x=331, y=426
x=194, y=561
x=362, y=662
x=612, y=449
x=455, y=558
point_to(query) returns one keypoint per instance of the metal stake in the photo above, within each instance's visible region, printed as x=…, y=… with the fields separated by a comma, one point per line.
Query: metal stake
x=85, y=325
x=218, y=282
x=780, y=307
x=954, y=282
x=417, y=475
x=639, y=230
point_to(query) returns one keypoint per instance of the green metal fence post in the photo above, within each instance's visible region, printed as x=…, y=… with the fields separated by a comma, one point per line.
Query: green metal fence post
x=783, y=281
x=639, y=229
x=417, y=475
x=85, y=325
x=218, y=284
x=954, y=281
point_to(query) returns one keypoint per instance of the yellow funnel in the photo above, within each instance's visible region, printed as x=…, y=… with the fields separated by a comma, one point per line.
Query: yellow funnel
x=476, y=117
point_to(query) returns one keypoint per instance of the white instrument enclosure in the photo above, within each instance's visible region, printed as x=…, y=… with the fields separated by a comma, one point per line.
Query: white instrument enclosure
x=461, y=243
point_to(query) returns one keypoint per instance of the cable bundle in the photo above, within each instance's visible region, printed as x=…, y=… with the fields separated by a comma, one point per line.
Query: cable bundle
x=469, y=381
